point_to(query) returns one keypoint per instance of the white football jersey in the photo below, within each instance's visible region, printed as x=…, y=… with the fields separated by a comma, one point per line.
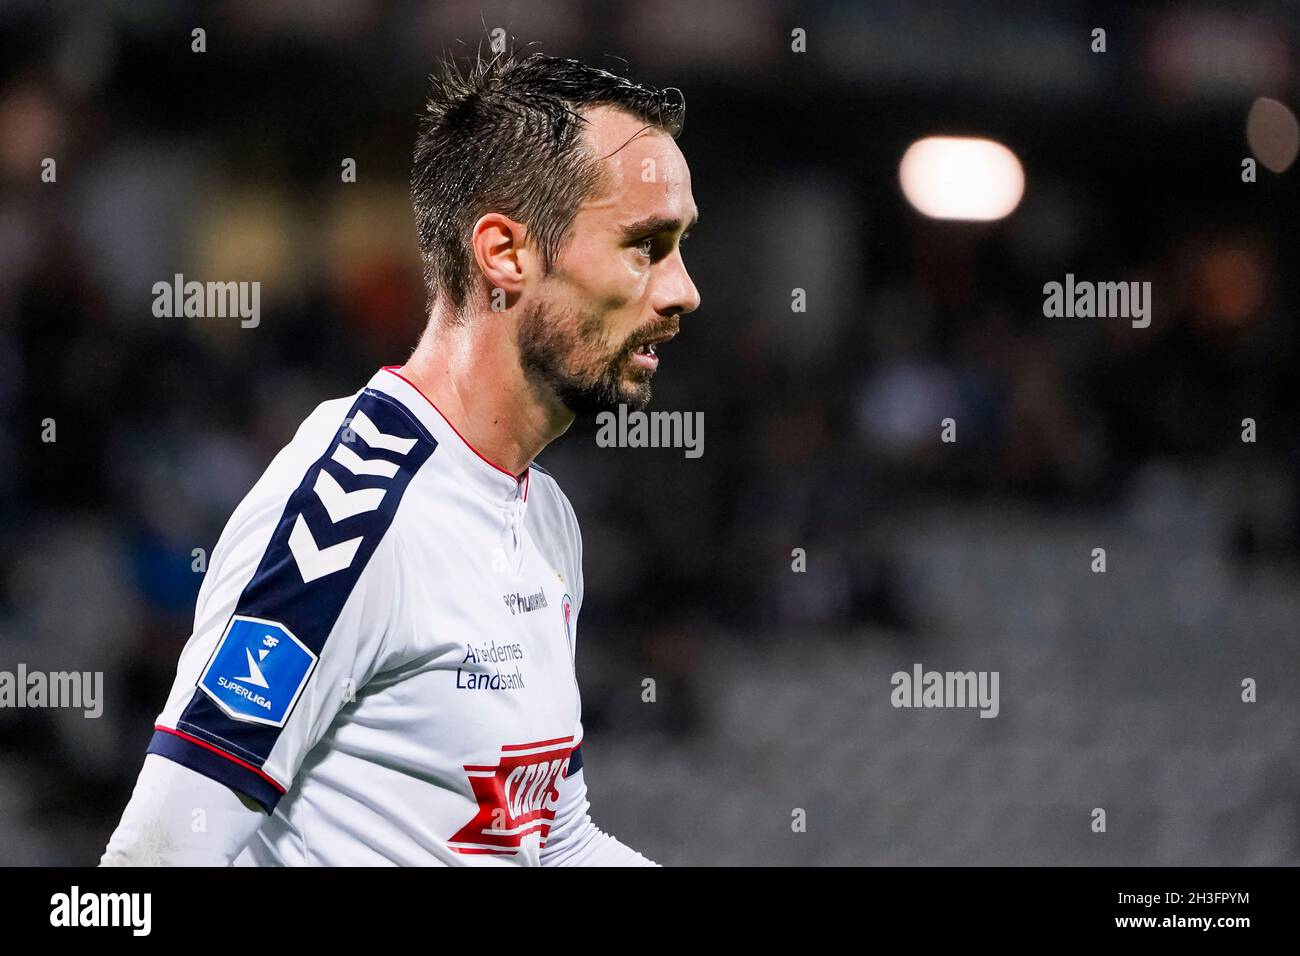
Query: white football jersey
x=383, y=648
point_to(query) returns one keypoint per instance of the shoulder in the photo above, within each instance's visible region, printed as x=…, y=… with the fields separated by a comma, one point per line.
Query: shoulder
x=366, y=438
x=329, y=497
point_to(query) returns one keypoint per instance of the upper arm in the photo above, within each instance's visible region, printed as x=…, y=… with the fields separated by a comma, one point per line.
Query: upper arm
x=300, y=608
x=177, y=817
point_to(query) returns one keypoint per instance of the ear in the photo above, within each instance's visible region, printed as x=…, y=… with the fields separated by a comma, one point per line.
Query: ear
x=499, y=249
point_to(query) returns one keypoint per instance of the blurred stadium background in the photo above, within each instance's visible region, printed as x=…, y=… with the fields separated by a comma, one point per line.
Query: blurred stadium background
x=1118, y=690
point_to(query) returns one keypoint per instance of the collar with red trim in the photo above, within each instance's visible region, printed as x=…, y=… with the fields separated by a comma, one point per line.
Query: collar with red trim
x=494, y=482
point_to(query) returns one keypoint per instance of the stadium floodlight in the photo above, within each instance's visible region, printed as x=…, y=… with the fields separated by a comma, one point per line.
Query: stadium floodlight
x=964, y=178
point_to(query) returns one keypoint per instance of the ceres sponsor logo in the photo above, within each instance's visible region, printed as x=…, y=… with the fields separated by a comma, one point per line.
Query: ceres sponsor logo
x=517, y=797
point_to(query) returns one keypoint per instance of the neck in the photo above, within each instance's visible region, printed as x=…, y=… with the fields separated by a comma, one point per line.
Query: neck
x=472, y=374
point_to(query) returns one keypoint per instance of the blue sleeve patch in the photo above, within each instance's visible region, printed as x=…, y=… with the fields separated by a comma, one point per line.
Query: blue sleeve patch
x=258, y=671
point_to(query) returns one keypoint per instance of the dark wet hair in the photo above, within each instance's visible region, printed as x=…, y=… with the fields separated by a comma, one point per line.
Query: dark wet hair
x=504, y=135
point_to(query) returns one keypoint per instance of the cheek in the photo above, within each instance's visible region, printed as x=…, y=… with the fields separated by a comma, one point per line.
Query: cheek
x=612, y=284
x=621, y=319
x=617, y=308
x=610, y=290
x=635, y=283
x=590, y=283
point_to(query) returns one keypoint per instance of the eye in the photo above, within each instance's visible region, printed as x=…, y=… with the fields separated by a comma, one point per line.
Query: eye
x=646, y=246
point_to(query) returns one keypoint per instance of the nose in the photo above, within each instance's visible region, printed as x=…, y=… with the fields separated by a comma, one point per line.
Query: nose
x=678, y=294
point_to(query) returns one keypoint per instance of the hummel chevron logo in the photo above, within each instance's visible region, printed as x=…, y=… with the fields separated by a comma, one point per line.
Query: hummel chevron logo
x=354, y=463
x=344, y=504
x=314, y=562
x=373, y=437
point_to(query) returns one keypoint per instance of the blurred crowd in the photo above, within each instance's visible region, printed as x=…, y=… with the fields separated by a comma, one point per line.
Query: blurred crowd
x=823, y=427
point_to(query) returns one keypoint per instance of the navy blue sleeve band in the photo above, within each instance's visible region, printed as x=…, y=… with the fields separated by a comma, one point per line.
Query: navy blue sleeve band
x=220, y=766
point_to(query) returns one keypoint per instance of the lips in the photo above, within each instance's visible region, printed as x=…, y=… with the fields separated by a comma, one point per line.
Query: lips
x=645, y=357
x=646, y=354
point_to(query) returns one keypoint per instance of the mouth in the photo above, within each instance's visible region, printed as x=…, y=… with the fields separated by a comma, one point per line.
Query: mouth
x=647, y=354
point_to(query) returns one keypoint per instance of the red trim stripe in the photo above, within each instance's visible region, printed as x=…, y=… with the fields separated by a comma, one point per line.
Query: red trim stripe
x=536, y=743
x=219, y=752
x=485, y=852
x=392, y=369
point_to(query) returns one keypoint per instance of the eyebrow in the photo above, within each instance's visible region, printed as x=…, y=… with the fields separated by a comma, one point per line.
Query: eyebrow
x=655, y=224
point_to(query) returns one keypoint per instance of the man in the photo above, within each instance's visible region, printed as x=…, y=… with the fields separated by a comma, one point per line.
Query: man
x=382, y=663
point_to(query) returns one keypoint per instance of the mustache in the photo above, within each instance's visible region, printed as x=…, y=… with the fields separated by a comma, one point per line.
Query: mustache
x=669, y=326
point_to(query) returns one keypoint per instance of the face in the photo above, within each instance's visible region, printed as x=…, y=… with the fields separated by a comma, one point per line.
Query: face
x=593, y=331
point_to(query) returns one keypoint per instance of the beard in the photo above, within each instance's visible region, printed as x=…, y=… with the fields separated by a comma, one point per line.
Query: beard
x=567, y=355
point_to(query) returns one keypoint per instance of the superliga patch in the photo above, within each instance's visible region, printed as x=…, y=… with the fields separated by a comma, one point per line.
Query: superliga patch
x=258, y=671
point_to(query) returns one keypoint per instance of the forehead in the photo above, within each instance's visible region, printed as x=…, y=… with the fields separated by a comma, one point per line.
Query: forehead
x=646, y=173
